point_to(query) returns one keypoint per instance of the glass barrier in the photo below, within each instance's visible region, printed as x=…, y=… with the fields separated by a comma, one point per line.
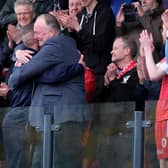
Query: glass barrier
x=103, y=141
x=150, y=158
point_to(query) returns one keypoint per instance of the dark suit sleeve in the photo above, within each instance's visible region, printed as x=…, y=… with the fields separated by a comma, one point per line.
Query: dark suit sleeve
x=56, y=75
x=48, y=56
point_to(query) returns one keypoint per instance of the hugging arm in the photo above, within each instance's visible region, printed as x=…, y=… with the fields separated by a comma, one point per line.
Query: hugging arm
x=43, y=60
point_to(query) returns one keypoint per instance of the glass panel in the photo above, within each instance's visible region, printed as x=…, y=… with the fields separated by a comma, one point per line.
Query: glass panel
x=19, y=139
x=104, y=141
x=109, y=142
x=150, y=157
x=115, y=141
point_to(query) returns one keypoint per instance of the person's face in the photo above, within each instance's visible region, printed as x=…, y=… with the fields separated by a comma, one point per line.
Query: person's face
x=24, y=15
x=148, y=4
x=75, y=6
x=41, y=31
x=118, y=52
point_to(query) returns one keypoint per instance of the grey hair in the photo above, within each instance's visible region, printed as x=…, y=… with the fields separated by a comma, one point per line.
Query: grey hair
x=130, y=43
x=51, y=22
x=24, y=2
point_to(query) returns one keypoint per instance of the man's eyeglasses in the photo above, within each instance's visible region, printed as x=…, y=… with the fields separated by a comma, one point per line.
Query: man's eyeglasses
x=24, y=13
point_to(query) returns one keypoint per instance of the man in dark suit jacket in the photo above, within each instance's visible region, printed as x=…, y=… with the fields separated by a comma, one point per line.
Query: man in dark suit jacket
x=66, y=100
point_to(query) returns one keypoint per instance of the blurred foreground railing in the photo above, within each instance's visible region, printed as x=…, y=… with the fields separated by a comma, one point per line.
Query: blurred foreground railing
x=116, y=145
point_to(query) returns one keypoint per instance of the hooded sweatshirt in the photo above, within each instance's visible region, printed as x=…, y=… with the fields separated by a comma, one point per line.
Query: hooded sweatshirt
x=96, y=36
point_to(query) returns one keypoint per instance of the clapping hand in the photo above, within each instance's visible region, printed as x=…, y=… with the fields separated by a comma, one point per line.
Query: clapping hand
x=146, y=41
x=110, y=74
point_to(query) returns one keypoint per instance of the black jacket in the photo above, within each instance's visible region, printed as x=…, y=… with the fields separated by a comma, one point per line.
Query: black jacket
x=123, y=89
x=96, y=37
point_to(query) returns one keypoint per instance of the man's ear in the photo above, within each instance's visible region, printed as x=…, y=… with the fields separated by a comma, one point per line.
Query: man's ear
x=128, y=51
x=52, y=32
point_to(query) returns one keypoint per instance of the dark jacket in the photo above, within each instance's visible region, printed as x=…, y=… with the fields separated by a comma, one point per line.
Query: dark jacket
x=96, y=37
x=21, y=96
x=5, y=52
x=123, y=89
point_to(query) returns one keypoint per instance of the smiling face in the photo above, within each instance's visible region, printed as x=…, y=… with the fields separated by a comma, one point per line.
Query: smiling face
x=119, y=50
x=24, y=14
x=41, y=31
x=45, y=27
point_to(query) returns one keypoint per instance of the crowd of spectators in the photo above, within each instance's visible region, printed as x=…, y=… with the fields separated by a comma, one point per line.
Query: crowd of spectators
x=57, y=56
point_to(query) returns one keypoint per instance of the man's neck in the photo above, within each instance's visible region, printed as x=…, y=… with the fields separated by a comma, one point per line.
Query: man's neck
x=91, y=7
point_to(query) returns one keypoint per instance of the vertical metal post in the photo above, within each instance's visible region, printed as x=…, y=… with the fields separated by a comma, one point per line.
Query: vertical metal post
x=138, y=141
x=138, y=124
x=47, y=141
